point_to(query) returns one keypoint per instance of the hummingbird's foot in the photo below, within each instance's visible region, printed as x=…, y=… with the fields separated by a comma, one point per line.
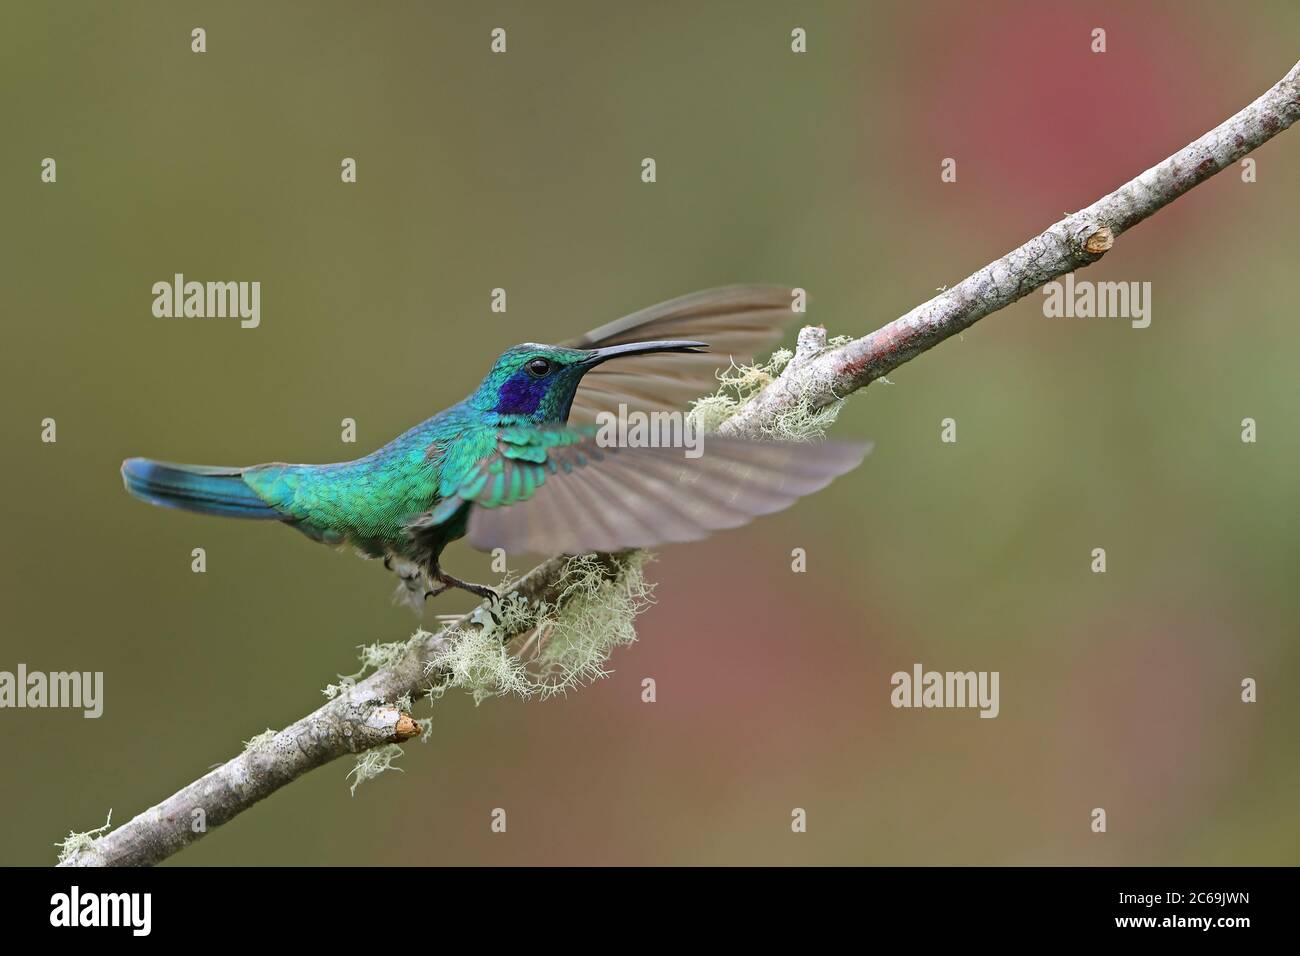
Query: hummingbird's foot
x=482, y=590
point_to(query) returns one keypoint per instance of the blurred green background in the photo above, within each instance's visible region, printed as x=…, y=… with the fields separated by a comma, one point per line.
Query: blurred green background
x=522, y=171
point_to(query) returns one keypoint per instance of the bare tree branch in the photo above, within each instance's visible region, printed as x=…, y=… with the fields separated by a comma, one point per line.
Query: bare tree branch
x=366, y=717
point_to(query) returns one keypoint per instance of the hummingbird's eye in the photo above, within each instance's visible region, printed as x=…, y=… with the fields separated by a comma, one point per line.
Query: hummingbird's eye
x=538, y=368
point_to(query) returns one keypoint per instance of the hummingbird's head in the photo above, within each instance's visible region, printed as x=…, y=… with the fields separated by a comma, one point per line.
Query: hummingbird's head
x=538, y=382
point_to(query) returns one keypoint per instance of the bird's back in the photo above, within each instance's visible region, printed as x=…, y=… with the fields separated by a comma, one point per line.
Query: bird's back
x=368, y=502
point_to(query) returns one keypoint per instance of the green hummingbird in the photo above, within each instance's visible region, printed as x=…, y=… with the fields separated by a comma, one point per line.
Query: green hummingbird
x=519, y=464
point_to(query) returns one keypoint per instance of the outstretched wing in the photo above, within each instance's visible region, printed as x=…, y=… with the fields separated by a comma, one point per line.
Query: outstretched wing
x=556, y=491
x=738, y=322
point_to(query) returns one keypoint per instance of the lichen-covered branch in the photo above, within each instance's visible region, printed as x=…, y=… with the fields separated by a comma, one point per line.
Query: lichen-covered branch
x=361, y=716
x=366, y=715
x=1074, y=242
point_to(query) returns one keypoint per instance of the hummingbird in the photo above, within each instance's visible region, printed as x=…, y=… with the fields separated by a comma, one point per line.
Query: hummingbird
x=517, y=464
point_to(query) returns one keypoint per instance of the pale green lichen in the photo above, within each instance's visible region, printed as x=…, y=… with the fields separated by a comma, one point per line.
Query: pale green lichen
x=80, y=842
x=539, y=650
x=376, y=656
x=333, y=690
x=259, y=739
x=373, y=657
x=736, y=386
x=372, y=763
x=477, y=659
x=799, y=420
x=597, y=615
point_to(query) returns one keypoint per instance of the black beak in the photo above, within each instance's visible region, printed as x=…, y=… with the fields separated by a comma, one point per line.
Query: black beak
x=596, y=356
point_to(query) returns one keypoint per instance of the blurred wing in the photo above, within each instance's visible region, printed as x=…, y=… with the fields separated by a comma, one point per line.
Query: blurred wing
x=555, y=491
x=739, y=322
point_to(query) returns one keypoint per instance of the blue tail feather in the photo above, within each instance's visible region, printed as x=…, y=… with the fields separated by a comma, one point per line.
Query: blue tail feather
x=202, y=488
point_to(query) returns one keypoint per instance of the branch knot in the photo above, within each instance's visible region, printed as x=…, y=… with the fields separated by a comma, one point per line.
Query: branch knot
x=1099, y=241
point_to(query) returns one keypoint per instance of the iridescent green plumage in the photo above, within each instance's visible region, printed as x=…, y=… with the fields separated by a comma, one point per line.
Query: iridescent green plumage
x=516, y=464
